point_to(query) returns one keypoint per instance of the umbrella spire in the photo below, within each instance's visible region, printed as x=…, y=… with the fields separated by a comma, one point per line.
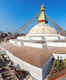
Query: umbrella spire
x=42, y=17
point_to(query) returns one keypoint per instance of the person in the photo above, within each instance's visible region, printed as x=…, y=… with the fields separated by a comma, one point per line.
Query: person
x=61, y=63
x=57, y=64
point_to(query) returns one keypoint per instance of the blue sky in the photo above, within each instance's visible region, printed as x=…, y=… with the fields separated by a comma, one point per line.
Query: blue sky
x=14, y=13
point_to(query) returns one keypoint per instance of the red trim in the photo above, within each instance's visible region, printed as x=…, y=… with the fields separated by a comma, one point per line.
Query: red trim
x=42, y=21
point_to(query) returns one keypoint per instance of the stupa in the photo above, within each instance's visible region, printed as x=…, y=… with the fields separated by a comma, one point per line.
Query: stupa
x=40, y=33
x=34, y=51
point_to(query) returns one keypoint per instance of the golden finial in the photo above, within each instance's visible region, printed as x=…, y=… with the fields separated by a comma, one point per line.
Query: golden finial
x=42, y=8
x=42, y=17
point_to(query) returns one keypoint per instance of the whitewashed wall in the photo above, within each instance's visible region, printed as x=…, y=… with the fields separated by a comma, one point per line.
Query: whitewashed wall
x=38, y=45
x=16, y=43
x=51, y=38
x=56, y=44
x=35, y=45
x=29, y=44
x=35, y=38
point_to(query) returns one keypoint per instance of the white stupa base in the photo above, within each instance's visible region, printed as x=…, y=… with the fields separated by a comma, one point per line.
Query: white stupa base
x=50, y=37
x=37, y=44
x=27, y=43
x=56, y=44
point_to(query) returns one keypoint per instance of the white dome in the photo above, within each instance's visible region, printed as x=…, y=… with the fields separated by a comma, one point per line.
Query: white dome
x=42, y=29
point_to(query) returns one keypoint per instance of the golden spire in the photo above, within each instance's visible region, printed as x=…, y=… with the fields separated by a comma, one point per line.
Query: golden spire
x=42, y=8
x=42, y=17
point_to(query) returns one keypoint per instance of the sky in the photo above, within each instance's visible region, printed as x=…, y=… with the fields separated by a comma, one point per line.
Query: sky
x=15, y=13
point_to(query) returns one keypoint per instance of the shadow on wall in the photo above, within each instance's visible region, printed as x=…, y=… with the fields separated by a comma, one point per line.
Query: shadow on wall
x=47, y=68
